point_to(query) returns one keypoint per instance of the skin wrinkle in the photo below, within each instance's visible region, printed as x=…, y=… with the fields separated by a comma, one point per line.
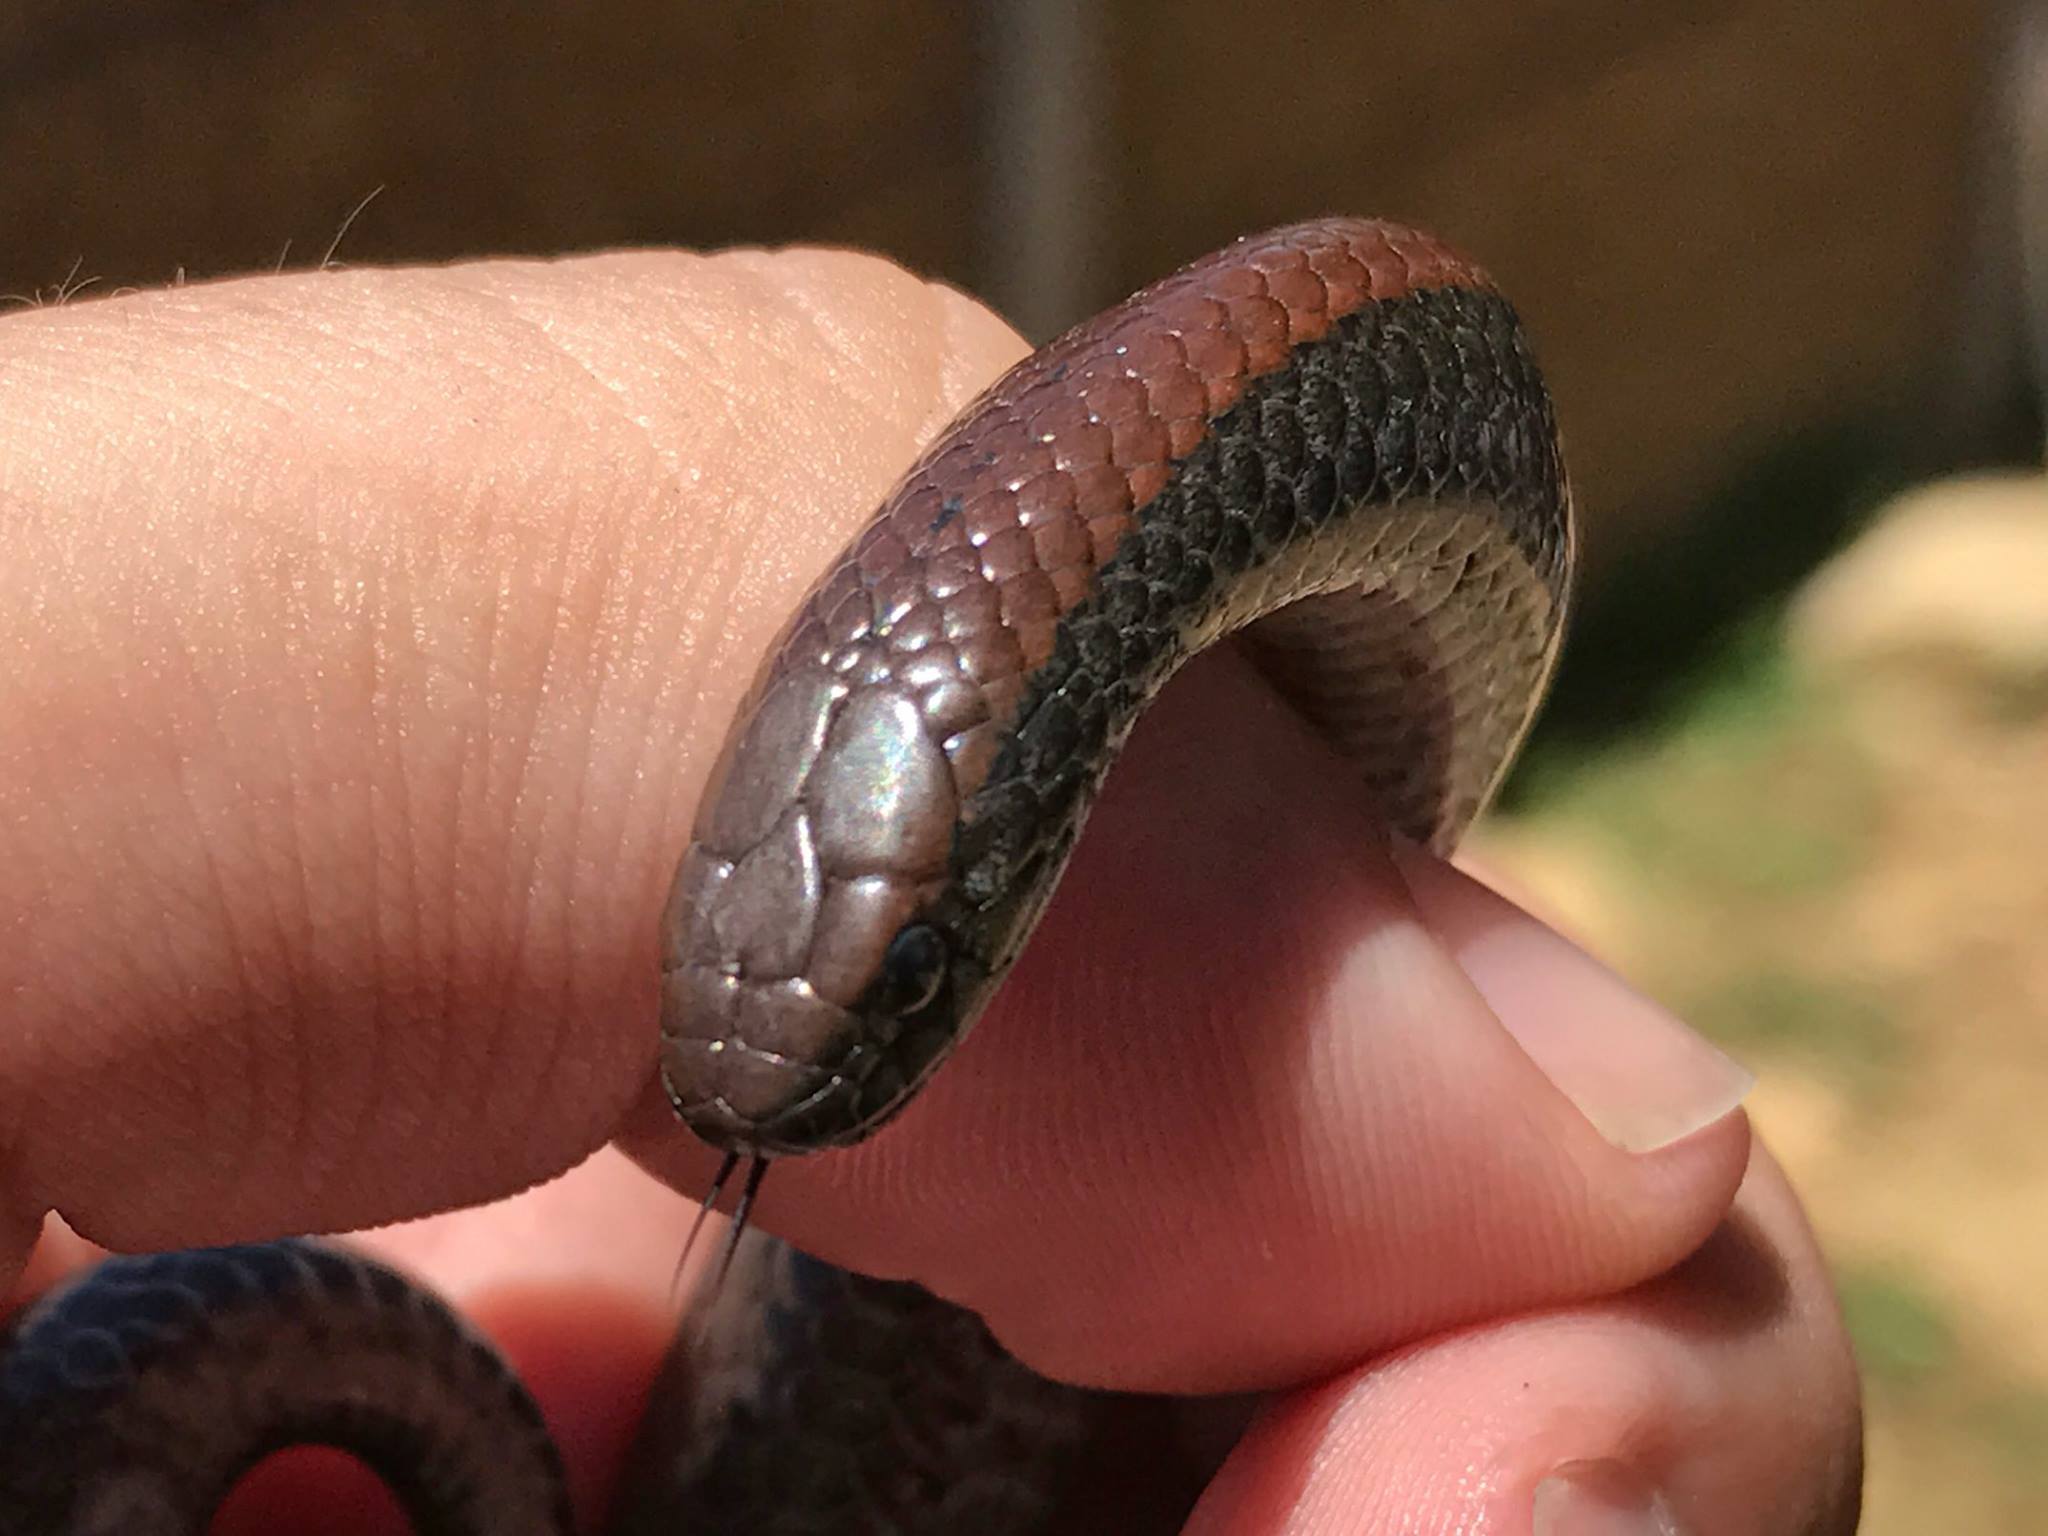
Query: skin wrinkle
x=731, y=425
x=397, y=862
x=651, y=781
x=525, y=892
x=313, y=1078
x=365, y=343
x=875, y=396
x=296, y=1065
x=1347, y=1183
x=588, y=864
x=796, y=318
x=371, y=340
x=324, y=1121
x=850, y=354
x=668, y=783
x=392, y=631
x=164, y=760
x=244, y=1151
x=118, y=386
x=737, y=425
x=552, y=578
x=559, y=1037
x=14, y=1160
x=470, y=764
x=306, y=1060
x=1396, y=959
x=491, y=1054
x=586, y=810
x=615, y=397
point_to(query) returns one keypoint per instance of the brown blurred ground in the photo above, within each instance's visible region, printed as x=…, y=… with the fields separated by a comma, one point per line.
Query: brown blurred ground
x=1725, y=218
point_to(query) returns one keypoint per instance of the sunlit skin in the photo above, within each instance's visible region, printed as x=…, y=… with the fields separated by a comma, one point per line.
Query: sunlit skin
x=370, y=638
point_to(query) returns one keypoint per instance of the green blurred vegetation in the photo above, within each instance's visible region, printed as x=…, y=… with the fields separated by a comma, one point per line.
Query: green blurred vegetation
x=1903, y=1337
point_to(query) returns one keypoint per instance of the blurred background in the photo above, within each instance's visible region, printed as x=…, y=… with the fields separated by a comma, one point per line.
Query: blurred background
x=1777, y=259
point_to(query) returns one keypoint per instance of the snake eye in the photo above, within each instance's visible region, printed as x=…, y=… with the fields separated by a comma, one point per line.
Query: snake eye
x=913, y=970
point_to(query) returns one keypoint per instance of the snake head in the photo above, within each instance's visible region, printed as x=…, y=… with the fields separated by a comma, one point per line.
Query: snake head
x=807, y=990
x=1334, y=432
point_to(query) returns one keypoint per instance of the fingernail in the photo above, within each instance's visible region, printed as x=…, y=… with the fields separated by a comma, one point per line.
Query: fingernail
x=1601, y=1498
x=1639, y=1075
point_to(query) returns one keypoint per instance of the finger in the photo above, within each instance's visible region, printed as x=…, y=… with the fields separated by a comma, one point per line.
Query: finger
x=1716, y=1400
x=373, y=632
x=1247, y=1112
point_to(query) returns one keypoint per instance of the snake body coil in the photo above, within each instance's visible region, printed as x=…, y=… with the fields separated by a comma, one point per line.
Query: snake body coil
x=1331, y=438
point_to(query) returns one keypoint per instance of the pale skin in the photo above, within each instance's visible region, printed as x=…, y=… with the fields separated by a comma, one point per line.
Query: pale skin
x=368, y=637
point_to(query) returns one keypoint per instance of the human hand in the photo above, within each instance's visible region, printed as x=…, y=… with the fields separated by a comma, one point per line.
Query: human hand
x=371, y=636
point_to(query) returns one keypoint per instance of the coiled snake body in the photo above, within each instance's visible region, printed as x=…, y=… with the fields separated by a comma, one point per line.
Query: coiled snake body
x=1331, y=438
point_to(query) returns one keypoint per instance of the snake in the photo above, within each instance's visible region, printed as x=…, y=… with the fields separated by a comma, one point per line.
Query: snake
x=1330, y=444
